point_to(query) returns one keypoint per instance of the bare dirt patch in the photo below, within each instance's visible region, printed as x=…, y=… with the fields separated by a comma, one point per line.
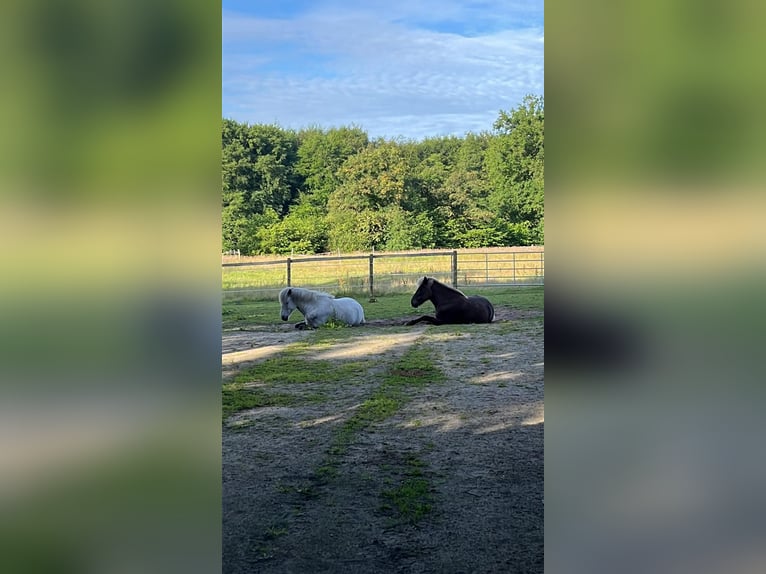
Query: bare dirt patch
x=474, y=440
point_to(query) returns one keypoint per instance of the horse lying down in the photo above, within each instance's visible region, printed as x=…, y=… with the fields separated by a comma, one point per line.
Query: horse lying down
x=318, y=307
x=452, y=306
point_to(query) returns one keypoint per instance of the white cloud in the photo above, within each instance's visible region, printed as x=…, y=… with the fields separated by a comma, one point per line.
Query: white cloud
x=384, y=74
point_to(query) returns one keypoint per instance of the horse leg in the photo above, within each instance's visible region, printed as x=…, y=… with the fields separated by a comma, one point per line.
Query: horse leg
x=314, y=321
x=425, y=319
x=302, y=325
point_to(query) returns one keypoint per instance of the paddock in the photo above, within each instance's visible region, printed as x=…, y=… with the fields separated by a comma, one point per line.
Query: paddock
x=385, y=448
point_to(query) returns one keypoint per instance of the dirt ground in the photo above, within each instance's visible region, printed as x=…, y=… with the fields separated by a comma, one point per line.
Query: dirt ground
x=476, y=439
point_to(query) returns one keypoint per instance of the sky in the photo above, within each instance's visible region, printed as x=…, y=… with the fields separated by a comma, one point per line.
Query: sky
x=395, y=68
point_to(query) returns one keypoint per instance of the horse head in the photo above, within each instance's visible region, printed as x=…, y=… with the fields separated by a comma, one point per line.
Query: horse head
x=288, y=305
x=423, y=293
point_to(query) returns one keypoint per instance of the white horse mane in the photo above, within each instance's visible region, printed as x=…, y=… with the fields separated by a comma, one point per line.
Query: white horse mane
x=303, y=295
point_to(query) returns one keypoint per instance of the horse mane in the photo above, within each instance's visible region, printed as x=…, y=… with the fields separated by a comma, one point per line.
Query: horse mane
x=300, y=294
x=447, y=287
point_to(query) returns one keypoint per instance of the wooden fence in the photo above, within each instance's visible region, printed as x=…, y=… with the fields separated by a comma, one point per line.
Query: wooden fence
x=377, y=273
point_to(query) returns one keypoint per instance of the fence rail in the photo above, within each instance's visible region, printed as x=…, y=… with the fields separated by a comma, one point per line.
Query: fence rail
x=378, y=273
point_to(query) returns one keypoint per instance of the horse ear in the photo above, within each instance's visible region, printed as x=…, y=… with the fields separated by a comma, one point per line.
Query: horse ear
x=289, y=291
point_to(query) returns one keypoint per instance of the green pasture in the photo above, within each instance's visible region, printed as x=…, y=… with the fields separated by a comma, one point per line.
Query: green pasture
x=391, y=273
x=244, y=312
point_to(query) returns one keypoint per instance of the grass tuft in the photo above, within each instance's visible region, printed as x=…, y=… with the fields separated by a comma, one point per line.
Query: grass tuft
x=412, y=498
x=236, y=398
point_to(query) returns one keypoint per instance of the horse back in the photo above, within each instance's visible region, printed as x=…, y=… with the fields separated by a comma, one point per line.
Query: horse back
x=349, y=310
x=474, y=309
x=483, y=310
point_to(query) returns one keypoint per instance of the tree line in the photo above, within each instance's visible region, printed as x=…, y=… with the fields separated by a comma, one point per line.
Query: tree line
x=315, y=190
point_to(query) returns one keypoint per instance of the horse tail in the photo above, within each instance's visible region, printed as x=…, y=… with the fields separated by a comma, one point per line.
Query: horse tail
x=359, y=314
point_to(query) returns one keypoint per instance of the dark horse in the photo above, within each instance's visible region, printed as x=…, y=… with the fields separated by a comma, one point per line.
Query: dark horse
x=451, y=305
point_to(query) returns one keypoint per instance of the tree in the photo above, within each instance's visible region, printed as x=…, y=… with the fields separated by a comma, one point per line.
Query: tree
x=320, y=156
x=461, y=201
x=373, y=178
x=303, y=230
x=465, y=210
x=241, y=232
x=258, y=180
x=373, y=186
x=320, y=189
x=515, y=164
x=406, y=230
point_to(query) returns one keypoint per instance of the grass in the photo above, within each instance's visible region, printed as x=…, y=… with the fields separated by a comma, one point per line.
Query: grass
x=412, y=497
x=237, y=398
x=293, y=369
x=415, y=369
x=290, y=369
x=242, y=313
x=249, y=388
x=392, y=272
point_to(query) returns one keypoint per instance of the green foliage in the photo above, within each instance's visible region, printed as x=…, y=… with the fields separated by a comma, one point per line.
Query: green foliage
x=258, y=180
x=240, y=231
x=373, y=178
x=374, y=205
x=258, y=167
x=320, y=156
x=303, y=230
x=515, y=162
x=485, y=236
x=406, y=230
x=389, y=229
x=318, y=190
x=467, y=219
x=352, y=231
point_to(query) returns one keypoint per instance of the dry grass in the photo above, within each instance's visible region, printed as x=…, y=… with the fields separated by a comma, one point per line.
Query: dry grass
x=349, y=273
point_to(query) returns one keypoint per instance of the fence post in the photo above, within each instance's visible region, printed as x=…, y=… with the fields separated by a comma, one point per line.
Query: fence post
x=289, y=273
x=372, y=276
x=514, y=267
x=486, y=268
x=454, y=269
x=542, y=272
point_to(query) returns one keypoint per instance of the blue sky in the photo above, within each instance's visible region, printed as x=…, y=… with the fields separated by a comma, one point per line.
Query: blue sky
x=396, y=68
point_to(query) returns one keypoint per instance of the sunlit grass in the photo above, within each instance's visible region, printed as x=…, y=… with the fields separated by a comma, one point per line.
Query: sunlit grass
x=391, y=272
